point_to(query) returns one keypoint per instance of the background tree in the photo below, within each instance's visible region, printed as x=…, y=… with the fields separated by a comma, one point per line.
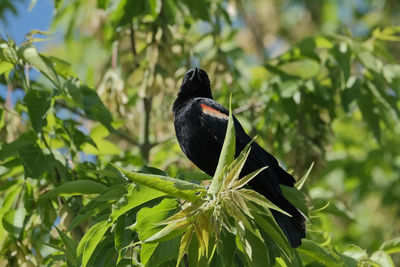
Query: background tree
x=317, y=81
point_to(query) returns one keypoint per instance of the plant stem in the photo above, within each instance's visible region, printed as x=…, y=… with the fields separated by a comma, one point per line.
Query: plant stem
x=145, y=137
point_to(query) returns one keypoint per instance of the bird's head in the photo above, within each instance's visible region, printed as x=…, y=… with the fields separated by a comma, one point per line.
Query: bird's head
x=195, y=84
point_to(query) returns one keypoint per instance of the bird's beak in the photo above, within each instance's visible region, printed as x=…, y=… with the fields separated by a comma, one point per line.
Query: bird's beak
x=195, y=74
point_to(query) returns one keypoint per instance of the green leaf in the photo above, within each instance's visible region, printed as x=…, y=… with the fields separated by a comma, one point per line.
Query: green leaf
x=136, y=196
x=244, y=180
x=259, y=199
x=90, y=210
x=370, y=61
x=91, y=239
x=98, y=204
x=35, y=161
x=296, y=198
x=168, y=185
x=38, y=103
x=391, y=246
x=122, y=235
x=5, y=67
x=232, y=172
x=42, y=64
x=303, y=179
x=381, y=258
x=315, y=251
x=94, y=107
x=62, y=67
x=185, y=243
x=227, y=154
x=148, y=219
x=303, y=68
x=269, y=226
x=8, y=52
x=78, y=187
x=253, y=247
x=370, y=114
x=356, y=253
x=226, y=248
x=70, y=245
x=170, y=231
x=13, y=221
x=164, y=252
x=193, y=176
x=90, y=102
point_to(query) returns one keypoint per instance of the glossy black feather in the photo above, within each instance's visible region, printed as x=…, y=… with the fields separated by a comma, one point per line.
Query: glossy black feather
x=200, y=126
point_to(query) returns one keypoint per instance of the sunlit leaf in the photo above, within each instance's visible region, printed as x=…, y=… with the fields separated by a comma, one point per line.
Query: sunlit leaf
x=168, y=185
x=303, y=179
x=137, y=195
x=318, y=253
x=91, y=239
x=42, y=64
x=78, y=187
x=391, y=246
x=260, y=200
x=227, y=155
x=382, y=259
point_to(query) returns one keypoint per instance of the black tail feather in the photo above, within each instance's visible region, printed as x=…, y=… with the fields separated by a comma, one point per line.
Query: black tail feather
x=293, y=227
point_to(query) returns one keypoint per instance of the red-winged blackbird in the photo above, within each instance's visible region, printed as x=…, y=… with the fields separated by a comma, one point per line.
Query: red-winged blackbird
x=200, y=126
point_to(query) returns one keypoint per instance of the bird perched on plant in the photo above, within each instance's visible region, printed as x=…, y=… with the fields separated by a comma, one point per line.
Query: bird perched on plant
x=200, y=126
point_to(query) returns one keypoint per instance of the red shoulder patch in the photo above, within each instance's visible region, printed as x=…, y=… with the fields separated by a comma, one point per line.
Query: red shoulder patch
x=213, y=112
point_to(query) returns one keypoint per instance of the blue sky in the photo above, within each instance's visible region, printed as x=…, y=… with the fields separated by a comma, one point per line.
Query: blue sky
x=39, y=18
x=16, y=27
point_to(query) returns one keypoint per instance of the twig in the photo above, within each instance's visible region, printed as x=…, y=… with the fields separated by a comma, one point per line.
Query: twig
x=133, y=45
x=114, y=55
x=248, y=106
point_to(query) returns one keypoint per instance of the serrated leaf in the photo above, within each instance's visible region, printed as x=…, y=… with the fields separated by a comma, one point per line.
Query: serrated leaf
x=382, y=259
x=303, y=68
x=148, y=219
x=260, y=200
x=168, y=185
x=315, y=251
x=38, y=103
x=391, y=246
x=303, y=179
x=237, y=198
x=227, y=155
x=234, y=211
x=226, y=248
x=231, y=174
x=169, y=232
x=355, y=252
x=78, y=187
x=186, y=212
x=13, y=221
x=90, y=210
x=243, y=181
x=138, y=195
x=5, y=67
x=70, y=245
x=296, y=198
x=91, y=239
x=253, y=247
x=42, y=64
x=270, y=227
x=163, y=252
x=122, y=235
x=185, y=242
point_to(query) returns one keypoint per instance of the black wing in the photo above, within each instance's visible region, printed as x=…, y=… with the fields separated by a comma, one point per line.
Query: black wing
x=216, y=125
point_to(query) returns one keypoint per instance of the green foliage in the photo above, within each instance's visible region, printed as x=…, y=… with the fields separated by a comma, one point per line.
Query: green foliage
x=75, y=119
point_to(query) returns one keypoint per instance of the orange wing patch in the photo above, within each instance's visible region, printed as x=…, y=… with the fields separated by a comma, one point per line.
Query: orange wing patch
x=213, y=112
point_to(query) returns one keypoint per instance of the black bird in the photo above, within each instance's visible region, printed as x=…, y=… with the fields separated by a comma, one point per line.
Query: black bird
x=200, y=126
